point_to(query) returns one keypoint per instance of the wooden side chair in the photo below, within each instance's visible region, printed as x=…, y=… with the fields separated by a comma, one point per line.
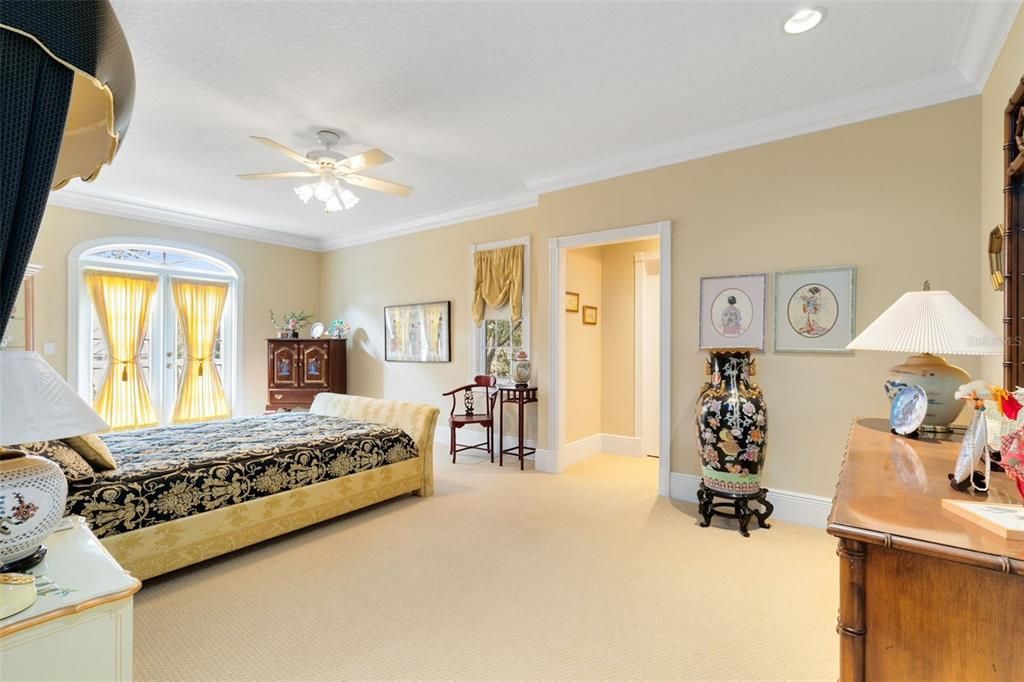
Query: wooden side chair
x=471, y=415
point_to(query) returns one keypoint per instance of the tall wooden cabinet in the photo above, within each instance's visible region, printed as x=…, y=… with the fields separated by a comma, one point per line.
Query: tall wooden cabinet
x=298, y=369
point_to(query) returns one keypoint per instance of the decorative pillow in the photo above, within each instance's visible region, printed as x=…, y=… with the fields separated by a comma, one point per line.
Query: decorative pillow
x=74, y=466
x=94, y=451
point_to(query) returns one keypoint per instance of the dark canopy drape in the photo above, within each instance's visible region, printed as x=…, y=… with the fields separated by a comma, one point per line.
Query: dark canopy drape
x=67, y=84
x=34, y=95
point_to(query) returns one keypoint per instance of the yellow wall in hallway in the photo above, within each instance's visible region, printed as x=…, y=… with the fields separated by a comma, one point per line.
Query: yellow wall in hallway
x=618, y=329
x=583, y=370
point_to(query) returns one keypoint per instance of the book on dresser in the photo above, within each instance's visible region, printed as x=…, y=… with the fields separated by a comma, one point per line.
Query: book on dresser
x=299, y=369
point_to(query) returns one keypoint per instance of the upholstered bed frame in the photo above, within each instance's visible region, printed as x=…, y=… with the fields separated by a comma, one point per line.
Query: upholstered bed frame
x=150, y=551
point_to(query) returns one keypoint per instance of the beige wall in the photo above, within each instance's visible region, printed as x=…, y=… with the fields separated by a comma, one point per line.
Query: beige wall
x=1005, y=76
x=618, y=331
x=583, y=357
x=277, y=278
x=894, y=196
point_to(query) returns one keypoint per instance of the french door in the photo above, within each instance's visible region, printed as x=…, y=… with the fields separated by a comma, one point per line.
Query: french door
x=164, y=354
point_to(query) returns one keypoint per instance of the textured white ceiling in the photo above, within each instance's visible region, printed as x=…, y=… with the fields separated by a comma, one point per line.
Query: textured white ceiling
x=482, y=104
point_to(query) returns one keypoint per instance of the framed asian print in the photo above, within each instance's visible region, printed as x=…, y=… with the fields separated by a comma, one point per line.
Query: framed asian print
x=815, y=309
x=732, y=311
x=572, y=302
x=420, y=332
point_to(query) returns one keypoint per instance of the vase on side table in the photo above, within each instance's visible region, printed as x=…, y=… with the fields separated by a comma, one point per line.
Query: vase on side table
x=732, y=423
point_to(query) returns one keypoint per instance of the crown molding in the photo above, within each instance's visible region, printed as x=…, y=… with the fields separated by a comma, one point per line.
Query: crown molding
x=931, y=88
x=474, y=211
x=108, y=204
x=988, y=24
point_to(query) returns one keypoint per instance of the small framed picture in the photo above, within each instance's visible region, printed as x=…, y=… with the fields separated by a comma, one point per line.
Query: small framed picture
x=589, y=314
x=815, y=310
x=732, y=311
x=572, y=302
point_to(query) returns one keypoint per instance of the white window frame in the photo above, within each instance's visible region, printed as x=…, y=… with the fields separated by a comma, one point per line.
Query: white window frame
x=80, y=313
x=479, y=354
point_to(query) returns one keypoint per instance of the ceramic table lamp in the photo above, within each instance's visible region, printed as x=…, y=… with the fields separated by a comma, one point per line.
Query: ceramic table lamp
x=929, y=324
x=36, y=404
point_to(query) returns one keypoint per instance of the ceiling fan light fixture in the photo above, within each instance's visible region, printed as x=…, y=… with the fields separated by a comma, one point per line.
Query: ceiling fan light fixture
x=329, y=169
x=803, y=20
x=348, y=199
x=332, y=205
x=323, y=190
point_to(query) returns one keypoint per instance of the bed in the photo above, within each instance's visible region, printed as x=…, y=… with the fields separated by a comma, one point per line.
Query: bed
x=184, y=494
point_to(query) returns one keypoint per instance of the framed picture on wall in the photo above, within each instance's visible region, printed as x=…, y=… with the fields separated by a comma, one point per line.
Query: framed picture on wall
x=572, y=302
x=815, y=310
x=590, y=314
x=420, y=332
x=732, y=311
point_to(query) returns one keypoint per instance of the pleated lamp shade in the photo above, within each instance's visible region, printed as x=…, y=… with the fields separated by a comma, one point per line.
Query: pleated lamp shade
x=929, y=322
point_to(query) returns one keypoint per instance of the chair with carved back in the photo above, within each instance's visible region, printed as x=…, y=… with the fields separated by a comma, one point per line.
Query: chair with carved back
x=470, y=416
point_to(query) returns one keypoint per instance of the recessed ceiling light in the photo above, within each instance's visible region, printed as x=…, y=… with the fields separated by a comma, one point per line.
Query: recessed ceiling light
x=803, y=20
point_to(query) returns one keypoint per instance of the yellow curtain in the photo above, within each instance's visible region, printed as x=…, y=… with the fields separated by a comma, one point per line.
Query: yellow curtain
x=201, y=393
x=122, y=305
x=499, y=280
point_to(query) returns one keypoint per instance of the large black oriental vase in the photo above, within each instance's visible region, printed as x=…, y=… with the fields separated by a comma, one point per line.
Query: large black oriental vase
x=732, y=424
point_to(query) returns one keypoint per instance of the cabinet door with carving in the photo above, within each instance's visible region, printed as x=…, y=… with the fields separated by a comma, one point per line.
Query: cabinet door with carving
x=315, y=359
x=284, y=365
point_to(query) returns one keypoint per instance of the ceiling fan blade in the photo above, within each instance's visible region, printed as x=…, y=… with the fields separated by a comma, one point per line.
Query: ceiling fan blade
x=368, y=159
x=376, y=185
x=289, y=174
x=290, y=153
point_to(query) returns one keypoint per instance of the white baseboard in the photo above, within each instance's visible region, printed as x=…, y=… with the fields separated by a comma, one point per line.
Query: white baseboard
x=620, y=445
x=801, y=508
x=580, y=450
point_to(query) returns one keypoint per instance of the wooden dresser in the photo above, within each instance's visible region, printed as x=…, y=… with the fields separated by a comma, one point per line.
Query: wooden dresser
x=298, y=369
x=923, y=594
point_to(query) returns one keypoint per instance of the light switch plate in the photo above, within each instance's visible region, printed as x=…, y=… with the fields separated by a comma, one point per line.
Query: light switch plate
x=49, y=348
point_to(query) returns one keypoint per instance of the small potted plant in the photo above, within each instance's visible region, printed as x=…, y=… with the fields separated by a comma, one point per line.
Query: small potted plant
x=291, y=324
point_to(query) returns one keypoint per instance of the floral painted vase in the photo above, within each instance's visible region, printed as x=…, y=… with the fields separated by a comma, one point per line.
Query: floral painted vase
x=731, y=424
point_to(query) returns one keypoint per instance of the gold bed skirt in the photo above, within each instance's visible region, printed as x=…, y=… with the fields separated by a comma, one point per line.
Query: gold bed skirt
x=175, y=544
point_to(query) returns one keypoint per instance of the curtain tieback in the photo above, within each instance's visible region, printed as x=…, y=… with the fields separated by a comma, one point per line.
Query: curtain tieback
x=201, y=360
x=124, y=366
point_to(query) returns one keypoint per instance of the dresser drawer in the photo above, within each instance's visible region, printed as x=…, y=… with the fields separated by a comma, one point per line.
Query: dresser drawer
x=293, y=396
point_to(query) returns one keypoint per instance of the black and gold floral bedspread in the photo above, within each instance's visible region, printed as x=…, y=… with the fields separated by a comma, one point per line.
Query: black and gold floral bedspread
x=177, y=471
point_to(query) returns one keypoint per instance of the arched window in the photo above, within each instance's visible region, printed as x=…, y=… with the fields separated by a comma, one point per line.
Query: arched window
x=147, y=290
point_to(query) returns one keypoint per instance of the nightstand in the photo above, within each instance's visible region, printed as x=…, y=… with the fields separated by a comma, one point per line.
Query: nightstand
x=80, y=627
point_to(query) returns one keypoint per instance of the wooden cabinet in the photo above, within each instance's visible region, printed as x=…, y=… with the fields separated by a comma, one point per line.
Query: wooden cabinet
x=298, y=369
x=923, y=593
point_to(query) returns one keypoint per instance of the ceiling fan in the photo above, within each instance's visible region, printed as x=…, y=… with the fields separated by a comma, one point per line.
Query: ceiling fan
x=332, y=169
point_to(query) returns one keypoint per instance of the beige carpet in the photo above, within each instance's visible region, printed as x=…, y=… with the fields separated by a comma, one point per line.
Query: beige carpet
x=505, y=574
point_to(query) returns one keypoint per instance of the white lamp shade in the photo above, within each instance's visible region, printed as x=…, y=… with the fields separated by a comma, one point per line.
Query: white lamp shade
x=929, y=322
x=37, y=404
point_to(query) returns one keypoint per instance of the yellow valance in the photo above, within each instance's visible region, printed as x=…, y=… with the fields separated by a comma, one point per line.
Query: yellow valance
x=499, y=280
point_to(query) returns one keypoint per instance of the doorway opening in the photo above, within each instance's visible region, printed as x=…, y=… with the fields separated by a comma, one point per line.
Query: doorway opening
x=611, y=349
